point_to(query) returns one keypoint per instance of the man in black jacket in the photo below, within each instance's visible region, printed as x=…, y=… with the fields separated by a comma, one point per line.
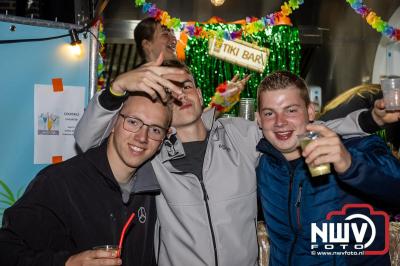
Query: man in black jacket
x=84, y=202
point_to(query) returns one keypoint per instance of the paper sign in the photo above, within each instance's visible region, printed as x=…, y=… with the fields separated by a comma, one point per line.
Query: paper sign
x=240, y=53
x=56, y=115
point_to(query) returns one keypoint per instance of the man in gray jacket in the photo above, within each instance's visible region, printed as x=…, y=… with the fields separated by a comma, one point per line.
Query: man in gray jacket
x=207, y=208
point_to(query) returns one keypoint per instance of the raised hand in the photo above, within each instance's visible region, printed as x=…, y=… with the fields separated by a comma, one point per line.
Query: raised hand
x=328, y=148
x=235, y=85
x=383, y=116
x=150, y=79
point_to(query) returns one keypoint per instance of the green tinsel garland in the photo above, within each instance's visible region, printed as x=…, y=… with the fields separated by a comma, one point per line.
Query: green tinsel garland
x=282, y=41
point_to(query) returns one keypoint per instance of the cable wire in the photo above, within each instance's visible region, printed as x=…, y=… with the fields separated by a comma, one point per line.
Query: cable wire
x=34, y=39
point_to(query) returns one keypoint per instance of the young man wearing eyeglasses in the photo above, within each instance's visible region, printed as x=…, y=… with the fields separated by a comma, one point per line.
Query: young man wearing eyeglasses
x=84, y=202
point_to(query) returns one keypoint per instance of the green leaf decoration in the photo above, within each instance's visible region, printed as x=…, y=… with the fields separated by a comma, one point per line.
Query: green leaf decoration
x=8, y=193
x=7, y=202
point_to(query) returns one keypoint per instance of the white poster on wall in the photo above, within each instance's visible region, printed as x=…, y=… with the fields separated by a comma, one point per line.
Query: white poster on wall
x=56, y=114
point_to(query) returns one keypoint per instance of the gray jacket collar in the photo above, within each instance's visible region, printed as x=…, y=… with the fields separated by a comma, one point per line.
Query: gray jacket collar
x=172, y=147
x=208, y=118
x=146, y=180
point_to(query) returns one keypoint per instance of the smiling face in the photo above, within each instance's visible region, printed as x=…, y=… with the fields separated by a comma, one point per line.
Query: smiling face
x=127, y=150
x=163, y=40
x=282, y=116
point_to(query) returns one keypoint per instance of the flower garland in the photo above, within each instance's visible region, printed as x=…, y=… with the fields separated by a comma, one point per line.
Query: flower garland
x=375, y=21
x=101, y=56
x=254, y=25
x=250, y=25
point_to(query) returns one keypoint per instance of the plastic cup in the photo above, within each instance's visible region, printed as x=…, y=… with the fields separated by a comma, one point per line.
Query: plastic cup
x=391, y=93
x=304, y=140
x=108, y=248
x=246, y=108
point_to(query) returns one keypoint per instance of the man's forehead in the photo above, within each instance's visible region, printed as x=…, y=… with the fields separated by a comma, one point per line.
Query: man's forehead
x=188, y=78
x=292, y=92
x=137, y=106
x=143, y=99
x=286, y=97
x=184, y=82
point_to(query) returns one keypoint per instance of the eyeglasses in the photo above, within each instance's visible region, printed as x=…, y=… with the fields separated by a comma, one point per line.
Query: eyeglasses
x=133, y=124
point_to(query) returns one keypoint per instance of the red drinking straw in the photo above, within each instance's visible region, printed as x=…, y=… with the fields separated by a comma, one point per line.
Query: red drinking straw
x=121, y=239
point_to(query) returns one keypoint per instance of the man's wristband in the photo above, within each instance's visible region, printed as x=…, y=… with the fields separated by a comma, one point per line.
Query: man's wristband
x=111, y=102
x=117, y=93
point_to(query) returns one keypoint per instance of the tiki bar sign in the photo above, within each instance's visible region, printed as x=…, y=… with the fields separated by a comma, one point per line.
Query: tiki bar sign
x=240, y=53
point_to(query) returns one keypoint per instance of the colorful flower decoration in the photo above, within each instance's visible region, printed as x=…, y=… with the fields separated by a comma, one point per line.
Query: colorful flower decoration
x=101, y=56
x=375, y=21
x=222, y=100
x=250, y=25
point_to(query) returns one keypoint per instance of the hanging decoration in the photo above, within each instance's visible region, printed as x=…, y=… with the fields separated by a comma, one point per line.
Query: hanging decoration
x=250, y=24
x=101, y=57
x=374, y=20
x=240, y=53
x=284, y=54
x=273, y=32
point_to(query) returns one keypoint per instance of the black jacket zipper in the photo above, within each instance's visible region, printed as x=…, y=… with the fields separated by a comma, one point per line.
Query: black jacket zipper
x=298, y=202
x=205, y=197
x=159, y=243
x=297, y=205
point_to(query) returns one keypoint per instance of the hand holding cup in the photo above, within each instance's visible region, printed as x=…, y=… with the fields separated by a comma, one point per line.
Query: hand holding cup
x=391, y=93
x=101, y=255
x=383, y=116
x=326, y=149
x=315, y=170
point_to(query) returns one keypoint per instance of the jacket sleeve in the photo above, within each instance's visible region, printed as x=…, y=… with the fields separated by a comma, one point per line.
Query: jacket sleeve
x=96, y=123
x=348, y=126
x=374, y=171
x=32, y=233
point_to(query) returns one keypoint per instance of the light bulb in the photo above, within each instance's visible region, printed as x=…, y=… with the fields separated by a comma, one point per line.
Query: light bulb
x=217, y=2
x=76, y=49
